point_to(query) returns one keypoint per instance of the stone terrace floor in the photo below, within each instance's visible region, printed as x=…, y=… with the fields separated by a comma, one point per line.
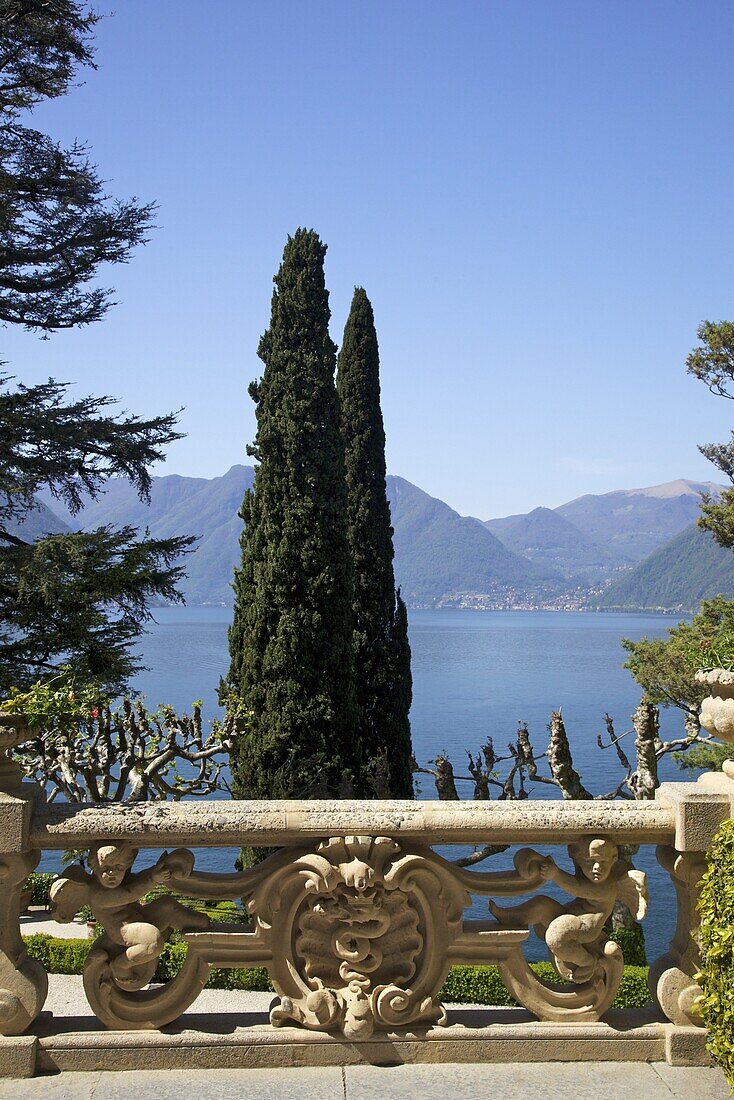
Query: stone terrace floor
x=529, y=1081
x=534, y=1081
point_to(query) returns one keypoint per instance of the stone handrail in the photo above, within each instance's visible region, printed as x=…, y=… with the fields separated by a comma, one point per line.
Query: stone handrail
x=355, y=916
x=232, y=823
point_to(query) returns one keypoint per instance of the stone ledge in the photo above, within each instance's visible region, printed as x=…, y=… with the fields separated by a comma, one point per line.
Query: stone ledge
x=282, y=823
x=18, y=1055
x=686, y=1046
x=219, y=1042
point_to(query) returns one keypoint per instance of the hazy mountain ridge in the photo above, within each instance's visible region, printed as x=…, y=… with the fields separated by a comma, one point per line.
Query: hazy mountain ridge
x=632, y=523
x=441, y=556
x=547, y=537
x=689, y=568
x=206, y=508
x=41, y=520
x=559, y=557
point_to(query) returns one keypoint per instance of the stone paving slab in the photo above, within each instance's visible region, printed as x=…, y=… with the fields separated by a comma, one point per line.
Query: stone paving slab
x=38, y=919
x=537, y=1081
x=549, y=1081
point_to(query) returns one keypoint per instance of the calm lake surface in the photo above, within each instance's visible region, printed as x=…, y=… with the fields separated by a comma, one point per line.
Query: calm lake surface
x=474, y=674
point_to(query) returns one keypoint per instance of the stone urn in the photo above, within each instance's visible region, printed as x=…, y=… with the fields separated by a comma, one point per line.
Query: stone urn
x=14, y=730
x=717, y=709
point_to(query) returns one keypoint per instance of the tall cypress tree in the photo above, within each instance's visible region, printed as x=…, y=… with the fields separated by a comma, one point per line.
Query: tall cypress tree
x=291, y=637
x=381, y=648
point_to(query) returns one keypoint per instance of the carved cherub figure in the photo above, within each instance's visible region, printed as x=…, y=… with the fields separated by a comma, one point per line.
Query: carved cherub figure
x=574, y=933
x=135, y=932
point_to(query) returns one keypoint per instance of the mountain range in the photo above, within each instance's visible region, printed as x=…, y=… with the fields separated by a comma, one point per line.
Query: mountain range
x=689, y=568
x=629, y=549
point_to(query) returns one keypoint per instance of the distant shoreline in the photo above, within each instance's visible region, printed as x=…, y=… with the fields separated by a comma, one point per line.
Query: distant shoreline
x=662, y=611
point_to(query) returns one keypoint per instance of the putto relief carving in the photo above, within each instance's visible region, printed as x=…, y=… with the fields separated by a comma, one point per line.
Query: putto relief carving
x=123, y=960
x=574, y=933
x=360, y=931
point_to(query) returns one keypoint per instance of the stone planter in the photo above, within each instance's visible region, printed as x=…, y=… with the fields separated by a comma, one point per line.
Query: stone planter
x=717, y=709
x=14, y=730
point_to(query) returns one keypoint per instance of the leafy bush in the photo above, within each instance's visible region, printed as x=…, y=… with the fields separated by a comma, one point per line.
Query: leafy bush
x=58, y=956
x=717, y=945
x=482, y=985
x=464, y=984
x=632, y=942
x=633, y=990
x=39, y=883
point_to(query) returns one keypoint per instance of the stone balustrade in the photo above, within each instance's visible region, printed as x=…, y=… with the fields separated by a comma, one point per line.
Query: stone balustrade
x=355, y=915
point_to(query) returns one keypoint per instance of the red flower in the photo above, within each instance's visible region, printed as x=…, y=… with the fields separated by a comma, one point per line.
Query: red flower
x=94, y=713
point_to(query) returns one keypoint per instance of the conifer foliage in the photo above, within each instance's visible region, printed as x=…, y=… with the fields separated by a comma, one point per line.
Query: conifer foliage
x=58, y=225
x=381, y=647
x=77, y=598
x=291, y=637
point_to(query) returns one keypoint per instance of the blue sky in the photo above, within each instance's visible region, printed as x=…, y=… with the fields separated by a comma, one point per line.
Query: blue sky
x=536, y=196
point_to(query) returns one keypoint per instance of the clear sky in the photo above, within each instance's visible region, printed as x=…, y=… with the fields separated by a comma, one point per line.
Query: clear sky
x=537, y=198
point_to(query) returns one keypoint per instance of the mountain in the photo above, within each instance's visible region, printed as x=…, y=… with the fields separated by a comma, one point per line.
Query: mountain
x=548, y=538
x=689, y=568
x=631, y=523
x=441, y=556
x=594, y=537
x=179, y=505
x=37, y=523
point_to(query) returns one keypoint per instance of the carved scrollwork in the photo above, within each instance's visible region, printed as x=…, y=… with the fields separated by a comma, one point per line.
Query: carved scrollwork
x=23, y=981
x=578, y=945
x=362, y=932
x=124, y=959
x=357, y=932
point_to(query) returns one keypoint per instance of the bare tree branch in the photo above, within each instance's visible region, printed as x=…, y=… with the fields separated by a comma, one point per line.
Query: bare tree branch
x=131, y=755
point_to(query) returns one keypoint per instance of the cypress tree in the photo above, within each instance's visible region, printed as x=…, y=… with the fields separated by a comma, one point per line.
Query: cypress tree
x=381, y=648
x=291, y=636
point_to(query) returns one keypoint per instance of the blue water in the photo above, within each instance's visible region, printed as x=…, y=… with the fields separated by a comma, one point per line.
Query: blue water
x=474, y=674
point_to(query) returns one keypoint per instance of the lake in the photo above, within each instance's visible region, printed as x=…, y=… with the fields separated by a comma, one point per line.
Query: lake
x=474, y=674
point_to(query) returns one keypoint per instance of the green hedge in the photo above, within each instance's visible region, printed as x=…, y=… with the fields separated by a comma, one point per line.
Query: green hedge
x=464, y=984
x=632, y=942
x=717, y=945
x=39, y=882
x=58, y=956
x=482, y=985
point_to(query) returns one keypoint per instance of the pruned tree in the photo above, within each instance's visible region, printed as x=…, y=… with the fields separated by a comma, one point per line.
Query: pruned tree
x=129, y=754
x=513, y=774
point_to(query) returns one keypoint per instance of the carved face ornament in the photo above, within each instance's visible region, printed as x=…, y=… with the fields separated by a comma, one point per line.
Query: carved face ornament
x=597, y=859
x=111, y=864
x=357, y=874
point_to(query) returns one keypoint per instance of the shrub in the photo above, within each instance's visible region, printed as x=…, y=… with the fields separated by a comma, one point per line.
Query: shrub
x=58, y=956
x=717, y=946
x=632, y=942
x=482, y=985
x=39, y=882
x=464, y=985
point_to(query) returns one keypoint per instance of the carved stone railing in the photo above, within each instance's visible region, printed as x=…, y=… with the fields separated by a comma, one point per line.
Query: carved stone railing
x=355, y=916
